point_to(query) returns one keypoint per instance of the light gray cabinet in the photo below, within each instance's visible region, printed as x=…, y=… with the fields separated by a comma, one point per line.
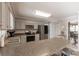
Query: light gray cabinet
x=36, y=37
x=23, y=39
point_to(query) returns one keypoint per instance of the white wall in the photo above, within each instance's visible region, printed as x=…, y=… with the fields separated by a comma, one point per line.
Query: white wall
x=0, y=17
x=52, y=30
x=0, y=13
x=6, y=16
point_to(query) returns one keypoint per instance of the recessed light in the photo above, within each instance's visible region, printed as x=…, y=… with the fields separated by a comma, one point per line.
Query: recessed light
x=41, y=13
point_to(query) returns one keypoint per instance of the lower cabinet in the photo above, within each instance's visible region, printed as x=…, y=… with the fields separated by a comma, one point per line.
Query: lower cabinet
x=23, y=39
x=36, y=37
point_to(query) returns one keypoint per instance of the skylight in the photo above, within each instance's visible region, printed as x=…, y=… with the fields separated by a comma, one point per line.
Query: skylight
x=41, y=13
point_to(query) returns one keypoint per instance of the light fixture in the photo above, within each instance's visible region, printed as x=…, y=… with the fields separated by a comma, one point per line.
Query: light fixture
x=41, y=13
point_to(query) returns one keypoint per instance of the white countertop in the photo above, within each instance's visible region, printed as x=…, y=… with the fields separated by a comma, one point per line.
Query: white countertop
x=38, y=48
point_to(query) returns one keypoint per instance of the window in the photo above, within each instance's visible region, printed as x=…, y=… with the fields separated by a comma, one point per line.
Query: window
x=73, y=27
x=76, y=27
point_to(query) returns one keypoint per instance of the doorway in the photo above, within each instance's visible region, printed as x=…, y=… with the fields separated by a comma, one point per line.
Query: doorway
x=73, y=33
x=45, y=31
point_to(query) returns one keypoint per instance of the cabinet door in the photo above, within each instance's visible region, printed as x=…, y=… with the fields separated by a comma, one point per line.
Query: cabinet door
x=23, y=39
x=36, y=37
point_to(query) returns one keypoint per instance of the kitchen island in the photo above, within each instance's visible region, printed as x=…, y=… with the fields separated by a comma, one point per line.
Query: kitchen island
x=35, y=48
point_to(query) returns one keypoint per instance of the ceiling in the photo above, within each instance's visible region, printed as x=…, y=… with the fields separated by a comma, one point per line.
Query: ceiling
x=58, y=10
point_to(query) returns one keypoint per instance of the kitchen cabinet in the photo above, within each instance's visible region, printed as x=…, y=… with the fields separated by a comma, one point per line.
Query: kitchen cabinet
x=23, y=39
x=37, y=37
